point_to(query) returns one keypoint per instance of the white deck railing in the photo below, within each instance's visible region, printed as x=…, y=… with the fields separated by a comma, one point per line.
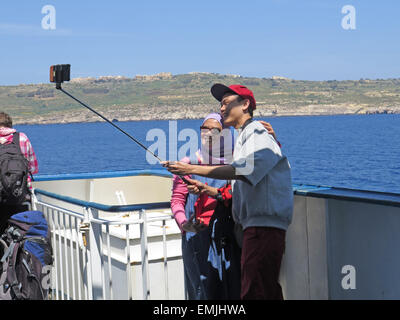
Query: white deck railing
x=87, y=262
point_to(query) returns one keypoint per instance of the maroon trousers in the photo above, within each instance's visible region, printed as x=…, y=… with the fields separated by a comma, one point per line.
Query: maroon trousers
x=262, y=252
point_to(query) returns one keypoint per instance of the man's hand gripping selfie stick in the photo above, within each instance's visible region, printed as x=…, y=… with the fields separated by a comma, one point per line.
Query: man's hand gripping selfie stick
x=60, y=73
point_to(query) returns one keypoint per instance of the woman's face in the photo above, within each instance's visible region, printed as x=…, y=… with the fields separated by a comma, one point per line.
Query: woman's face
x=210, y=131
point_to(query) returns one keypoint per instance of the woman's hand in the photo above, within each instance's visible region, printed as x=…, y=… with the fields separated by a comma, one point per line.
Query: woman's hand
x=197, y=187
x=269, y=128
x=190, y=226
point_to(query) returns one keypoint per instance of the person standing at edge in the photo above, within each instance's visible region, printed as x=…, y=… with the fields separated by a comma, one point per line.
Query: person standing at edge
x=7, y=133
x=262, y=200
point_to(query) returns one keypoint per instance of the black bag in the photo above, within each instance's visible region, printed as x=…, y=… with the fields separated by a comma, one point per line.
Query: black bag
x=26, y=250
x=14, y=172
x=223, y=277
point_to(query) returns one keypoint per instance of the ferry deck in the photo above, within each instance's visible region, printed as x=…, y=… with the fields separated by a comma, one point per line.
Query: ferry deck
x=113, y=237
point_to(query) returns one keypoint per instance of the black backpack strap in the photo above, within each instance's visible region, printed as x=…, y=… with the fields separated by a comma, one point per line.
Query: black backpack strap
x=7, y=253
x=4, y=292
x=15, y=285
x=15, y=139
x=4, y=295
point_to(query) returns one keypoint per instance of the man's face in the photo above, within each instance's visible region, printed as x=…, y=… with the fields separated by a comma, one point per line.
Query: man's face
x=230, y=109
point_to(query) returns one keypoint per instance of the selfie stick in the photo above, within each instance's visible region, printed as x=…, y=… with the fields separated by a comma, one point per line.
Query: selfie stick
x=58, y=87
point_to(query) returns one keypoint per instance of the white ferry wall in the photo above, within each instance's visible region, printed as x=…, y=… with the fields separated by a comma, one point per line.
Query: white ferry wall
x=102, y=188
x=137, y=186
x=340, y=245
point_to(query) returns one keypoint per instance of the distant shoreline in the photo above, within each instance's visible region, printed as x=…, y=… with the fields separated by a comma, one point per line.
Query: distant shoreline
x=199, y=118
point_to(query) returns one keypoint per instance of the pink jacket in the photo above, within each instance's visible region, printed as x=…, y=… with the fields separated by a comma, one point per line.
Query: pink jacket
x=179, y=194
x=178, y=198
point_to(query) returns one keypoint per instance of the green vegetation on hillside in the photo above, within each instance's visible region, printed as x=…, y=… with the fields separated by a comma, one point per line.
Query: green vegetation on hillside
x=186, y=91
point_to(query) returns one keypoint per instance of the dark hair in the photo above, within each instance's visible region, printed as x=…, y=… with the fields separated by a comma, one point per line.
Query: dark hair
x=5, y=120
x=249, y=109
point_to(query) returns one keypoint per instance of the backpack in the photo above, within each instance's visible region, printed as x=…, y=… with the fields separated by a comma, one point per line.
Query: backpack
x=26, y=250
x=14, y=172
x=223, y=276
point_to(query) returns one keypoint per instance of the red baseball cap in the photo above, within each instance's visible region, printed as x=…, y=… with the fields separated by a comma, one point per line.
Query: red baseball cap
x=218, y=90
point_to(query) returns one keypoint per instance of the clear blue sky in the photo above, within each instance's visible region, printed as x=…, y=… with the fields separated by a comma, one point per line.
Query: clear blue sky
x=260, y=38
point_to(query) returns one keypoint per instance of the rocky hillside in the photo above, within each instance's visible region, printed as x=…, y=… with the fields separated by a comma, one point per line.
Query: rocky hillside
x=187, y=96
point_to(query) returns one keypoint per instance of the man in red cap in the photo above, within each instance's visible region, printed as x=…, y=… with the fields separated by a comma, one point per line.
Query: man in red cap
x=262, y=200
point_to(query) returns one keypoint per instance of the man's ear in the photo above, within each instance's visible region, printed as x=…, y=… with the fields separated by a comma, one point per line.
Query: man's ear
x=246, y=105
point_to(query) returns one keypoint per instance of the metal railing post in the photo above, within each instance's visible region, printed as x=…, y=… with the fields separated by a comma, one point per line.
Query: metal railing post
x=96, y=262
x=165, y=258
x=144, y=254
x=128, y=262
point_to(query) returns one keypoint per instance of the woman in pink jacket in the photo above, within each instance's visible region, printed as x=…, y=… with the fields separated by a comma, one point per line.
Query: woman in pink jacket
x=195, y=238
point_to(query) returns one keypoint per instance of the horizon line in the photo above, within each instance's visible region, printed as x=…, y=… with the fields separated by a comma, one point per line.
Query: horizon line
x=200, y=72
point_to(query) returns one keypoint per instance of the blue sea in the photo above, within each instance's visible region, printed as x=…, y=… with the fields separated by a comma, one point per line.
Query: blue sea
x=352, y=151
